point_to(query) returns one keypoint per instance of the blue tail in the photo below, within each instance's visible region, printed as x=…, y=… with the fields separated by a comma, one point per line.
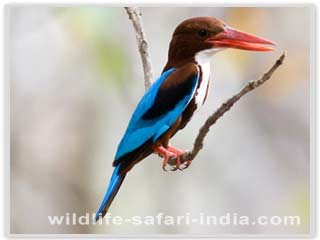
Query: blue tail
x=114, y=185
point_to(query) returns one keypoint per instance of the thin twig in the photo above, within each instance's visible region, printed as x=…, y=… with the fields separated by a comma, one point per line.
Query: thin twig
x=198, y=143
x=135, y=17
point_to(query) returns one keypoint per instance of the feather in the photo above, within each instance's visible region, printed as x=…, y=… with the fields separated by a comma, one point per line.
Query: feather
x=114, y=185
x=159, y=108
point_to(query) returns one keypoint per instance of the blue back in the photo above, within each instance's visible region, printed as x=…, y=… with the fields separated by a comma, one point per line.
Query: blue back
x=140, y=130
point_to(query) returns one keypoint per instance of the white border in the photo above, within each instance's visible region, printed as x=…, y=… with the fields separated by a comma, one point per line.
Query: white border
x=5, y=113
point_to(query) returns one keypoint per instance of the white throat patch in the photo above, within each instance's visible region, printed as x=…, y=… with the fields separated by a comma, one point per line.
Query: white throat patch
x=203, y=60
x=205, y=55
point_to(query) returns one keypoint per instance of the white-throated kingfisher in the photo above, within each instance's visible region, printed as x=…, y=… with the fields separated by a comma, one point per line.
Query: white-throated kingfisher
x=168, y=105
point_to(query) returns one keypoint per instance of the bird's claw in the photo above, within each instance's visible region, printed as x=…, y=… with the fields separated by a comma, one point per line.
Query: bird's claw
x=172, y=153
x=178, y=166
x=186, y=164
x=178, y=163
x=165, y=161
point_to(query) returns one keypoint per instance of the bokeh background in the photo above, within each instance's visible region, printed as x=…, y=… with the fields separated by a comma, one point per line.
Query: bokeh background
x=76, y=76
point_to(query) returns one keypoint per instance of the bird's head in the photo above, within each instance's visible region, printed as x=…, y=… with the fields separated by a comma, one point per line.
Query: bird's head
x=209, y=35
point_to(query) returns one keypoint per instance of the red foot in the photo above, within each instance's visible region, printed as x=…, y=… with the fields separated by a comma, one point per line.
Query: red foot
x=169, y=152
x=179, y=152
x=175, y=150
x=166, y=155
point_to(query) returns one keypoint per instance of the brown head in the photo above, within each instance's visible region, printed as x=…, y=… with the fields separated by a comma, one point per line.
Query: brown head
x=208, y=34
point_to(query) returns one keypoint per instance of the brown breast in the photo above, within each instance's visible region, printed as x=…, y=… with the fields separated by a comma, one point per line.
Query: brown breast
x=193, y=106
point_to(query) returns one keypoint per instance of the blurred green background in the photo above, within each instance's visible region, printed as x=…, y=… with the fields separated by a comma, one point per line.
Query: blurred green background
x=76, y=76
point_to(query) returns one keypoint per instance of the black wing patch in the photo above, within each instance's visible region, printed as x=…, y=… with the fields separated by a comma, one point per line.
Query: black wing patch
x=167, y=99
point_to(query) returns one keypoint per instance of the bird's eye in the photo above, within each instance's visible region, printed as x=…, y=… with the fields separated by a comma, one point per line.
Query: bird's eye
x=203, y=33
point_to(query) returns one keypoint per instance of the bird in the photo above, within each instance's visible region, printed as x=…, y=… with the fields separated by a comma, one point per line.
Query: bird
x=171, y=101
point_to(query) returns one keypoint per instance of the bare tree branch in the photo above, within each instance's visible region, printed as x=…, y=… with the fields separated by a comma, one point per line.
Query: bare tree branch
x=135, y=17
x=226, y=106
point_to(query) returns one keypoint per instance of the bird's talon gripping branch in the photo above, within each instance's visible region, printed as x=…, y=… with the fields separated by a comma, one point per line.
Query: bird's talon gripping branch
x=166, y=154
x=165, y=163
x=186, y=164
x=177, y=164
x=178, y=153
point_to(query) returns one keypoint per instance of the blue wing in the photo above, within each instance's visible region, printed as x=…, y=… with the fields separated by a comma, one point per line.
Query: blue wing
x=158, y=109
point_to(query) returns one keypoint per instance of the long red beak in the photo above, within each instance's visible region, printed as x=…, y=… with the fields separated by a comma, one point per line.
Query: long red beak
x=232, y=38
